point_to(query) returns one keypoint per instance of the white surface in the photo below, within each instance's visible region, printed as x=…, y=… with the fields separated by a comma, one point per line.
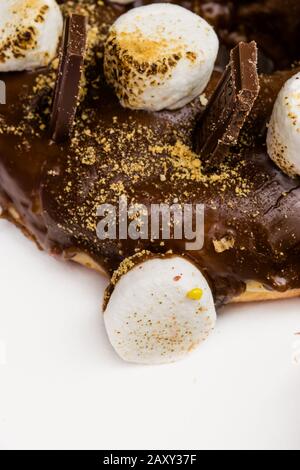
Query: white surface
x=62, y=385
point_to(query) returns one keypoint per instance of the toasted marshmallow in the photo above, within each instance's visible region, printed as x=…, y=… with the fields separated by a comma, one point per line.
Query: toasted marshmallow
x=283, y=138
x=159, y=56
x=30, y=31
x=159, y=311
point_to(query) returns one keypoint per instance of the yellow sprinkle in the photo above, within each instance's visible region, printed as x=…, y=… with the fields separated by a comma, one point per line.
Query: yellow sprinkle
x=195, y=294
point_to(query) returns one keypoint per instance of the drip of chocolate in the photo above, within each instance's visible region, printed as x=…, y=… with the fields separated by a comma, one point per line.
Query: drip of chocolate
x=69, y=76
x=221, y=123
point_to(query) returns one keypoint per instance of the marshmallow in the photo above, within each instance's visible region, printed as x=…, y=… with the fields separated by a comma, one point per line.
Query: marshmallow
x=283, y=139
x=159, y=311
x=30, y=31
x=159, y=56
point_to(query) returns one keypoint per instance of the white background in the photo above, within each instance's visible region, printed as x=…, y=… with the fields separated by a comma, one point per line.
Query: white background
x=62, y=386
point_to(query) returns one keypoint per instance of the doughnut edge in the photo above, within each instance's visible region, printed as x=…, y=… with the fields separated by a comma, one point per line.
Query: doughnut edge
x=255, y=292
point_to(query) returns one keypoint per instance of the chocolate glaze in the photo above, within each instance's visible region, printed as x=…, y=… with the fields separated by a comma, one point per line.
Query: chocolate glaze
x=56, y=188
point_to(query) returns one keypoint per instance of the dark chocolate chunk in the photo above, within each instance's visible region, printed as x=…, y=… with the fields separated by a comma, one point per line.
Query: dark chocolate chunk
x=220, y=125
x=67, y=87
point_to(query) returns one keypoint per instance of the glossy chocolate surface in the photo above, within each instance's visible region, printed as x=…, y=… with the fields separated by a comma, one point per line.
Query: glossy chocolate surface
x=148, y=158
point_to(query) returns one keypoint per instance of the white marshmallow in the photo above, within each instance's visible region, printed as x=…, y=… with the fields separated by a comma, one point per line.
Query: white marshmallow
x=283, y=138
x=159, y=311
x=159, y=56
x=30, y=31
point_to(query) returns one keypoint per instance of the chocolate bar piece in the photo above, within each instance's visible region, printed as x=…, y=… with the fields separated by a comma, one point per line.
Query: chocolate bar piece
x=221, y=123
x=68, y=79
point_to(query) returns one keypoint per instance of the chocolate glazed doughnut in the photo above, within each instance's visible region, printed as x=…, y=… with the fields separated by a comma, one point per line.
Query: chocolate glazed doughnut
x=52, y=190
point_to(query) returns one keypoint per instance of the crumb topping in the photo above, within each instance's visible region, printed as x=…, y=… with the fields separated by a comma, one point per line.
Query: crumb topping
x=118, y=153
x=147, y=157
